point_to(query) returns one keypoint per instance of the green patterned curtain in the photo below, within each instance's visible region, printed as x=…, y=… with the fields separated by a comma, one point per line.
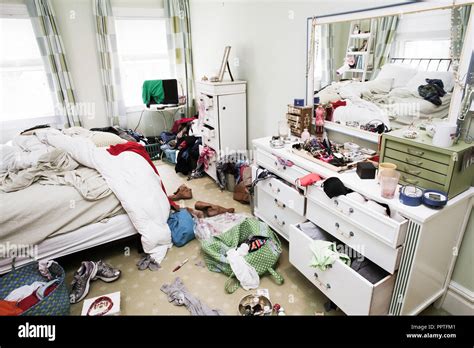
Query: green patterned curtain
x=328, y=73
x=179, y=44
x=54, y=57
x=109, y=64
x=459, y=20
x=385, y=30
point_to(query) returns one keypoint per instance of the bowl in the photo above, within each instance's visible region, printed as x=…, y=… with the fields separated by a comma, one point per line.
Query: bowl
x=249, y=301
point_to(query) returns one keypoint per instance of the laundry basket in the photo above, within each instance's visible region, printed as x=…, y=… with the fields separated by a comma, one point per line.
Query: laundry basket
x=56, y=303
x=263, y=259
x=154, y=151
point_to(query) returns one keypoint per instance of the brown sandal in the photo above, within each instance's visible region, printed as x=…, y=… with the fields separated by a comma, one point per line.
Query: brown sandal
x=212, y=209
x=196, y=213
x=183, y=192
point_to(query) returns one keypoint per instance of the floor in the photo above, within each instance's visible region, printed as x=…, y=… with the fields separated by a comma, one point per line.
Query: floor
x=140, y=290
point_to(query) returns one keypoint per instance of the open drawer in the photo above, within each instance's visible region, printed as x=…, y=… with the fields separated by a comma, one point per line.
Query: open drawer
x=340, y=227
x=349, y=290
x=389, y=230
x=272, y=163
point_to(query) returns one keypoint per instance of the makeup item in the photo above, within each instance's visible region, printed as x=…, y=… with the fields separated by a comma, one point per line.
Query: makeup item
x=411, y=195
x=180, y=265
x=366, y=170
x=434, y=199
x=388, y=183
x=305, y=135
x=351, y=146
x=308, y=180
x=410, y=134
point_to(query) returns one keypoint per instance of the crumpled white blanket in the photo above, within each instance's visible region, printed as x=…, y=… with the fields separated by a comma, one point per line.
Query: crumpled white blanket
x=132, y=180
x=244, y=272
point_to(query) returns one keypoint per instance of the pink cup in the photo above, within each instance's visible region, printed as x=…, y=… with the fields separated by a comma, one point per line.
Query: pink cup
x=388, y=183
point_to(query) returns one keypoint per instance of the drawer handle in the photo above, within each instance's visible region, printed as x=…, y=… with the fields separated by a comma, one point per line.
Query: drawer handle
x=347, y=235
x=410, y=181
x=351, y=210
x=415, y=152
x=207, y=119
x=327, y=286
x=337, y=224
x=414, y=162
x=336, y=202
x=281, y=223
x=412, y=172
x=279, y=204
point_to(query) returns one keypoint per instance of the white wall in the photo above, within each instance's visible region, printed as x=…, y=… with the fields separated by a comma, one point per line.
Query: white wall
x=269, y=39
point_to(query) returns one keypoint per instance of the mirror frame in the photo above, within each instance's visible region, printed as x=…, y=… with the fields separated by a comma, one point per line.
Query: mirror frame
x=390, y=10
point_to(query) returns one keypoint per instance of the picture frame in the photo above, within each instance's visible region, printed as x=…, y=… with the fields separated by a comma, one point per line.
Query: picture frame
x=224, y=64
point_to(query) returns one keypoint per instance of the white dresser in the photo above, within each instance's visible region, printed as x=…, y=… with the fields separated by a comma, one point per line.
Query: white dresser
x=415, y=248
x=224, y=124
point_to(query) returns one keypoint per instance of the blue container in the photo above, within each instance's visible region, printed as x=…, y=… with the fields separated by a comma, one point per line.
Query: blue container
x=316, y=100
x=299, y=102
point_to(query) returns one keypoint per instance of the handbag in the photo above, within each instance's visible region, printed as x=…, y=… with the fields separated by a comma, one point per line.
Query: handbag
x=263, y=260
x=55, y=303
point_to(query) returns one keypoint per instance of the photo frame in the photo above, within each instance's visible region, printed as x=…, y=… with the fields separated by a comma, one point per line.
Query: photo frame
x=224, y=64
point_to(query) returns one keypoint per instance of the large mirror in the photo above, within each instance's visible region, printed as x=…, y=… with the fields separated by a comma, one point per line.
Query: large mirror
x=398, y=69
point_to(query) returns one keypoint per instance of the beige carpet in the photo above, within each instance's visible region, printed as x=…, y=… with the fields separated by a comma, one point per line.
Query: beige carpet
x=140, y=290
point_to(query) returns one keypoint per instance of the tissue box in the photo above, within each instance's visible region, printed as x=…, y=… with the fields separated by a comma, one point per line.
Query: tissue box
x=366, y=170
x=102, y=305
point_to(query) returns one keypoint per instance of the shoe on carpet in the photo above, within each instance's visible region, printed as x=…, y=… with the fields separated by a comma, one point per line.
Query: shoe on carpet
x=212, y=209
x=183, y=192
x=106, y=272
x=81, y=281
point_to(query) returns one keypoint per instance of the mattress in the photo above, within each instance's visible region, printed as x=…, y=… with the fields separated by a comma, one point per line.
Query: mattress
x=86, y=237
x=31, y=215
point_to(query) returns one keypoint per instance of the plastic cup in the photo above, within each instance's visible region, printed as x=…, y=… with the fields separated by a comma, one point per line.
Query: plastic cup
x=388, y=183
x=385, y=166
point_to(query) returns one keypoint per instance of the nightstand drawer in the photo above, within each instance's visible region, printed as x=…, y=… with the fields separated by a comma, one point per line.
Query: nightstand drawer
x=271, y=162
x=389, y=230
x=349, y=290
x=416, y=151
x=340, y=227
x=284, y=195
x=426, y=174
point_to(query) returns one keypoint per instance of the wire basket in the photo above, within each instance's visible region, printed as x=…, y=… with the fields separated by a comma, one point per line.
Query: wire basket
x=154, y=151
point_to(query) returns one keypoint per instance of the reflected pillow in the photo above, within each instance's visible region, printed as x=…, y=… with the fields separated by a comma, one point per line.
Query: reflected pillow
x=379, y=85
x=420, y=79
x=105, y=139
x=400, y=74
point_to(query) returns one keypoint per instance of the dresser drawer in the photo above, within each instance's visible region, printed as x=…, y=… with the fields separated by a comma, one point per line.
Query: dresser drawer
x=416, y=180
x=210, y=137
x=340, y=227
x=211, y=170
x=271, y=162
x=419, y=152
x=284, y=195
x=274, y=214
x=351, y=292
x=415, y=161
x=422, y=173
x=386, y=229
x=210, y=110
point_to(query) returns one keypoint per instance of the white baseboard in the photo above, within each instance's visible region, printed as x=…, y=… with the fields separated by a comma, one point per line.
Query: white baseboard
x=458, y=300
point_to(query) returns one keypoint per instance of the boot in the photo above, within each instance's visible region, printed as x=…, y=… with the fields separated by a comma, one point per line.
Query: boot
x=183, y=192
x=212, y=209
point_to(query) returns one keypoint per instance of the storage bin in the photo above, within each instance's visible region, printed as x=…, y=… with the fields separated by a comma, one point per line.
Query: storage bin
x=154, y=151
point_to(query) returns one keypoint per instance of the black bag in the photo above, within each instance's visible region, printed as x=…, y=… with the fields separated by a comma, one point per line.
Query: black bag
x=334, y=187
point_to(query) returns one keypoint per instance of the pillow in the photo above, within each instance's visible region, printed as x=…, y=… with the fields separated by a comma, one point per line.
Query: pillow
x=106, y=139
x=420, y=79
x=400, y=74
x=379, y=85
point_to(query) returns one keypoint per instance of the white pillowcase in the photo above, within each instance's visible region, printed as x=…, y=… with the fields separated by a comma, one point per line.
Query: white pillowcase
x=420, y=79
x=400, y=74
x=379, y=85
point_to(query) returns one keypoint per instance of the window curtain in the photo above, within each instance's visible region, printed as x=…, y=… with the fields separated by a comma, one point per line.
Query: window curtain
x=328, y=72
x=109, y=64
x=179, y=45
x=385, y=30
x=459, y=20
x=52, y=50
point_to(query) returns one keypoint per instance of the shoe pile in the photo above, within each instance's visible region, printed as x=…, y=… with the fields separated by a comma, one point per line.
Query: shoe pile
x=88, y=272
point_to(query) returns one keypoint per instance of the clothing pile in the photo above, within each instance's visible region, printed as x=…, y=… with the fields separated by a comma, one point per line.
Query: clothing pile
x=126, y=134
x=432, y=91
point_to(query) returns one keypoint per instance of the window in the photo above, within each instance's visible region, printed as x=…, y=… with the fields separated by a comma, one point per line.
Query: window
x=143, y=55
x=427, y=48
x=24, y=90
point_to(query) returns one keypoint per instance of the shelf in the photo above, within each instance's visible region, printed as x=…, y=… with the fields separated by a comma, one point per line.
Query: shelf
x=360, y=36
x=356, y=70
x=357, y=53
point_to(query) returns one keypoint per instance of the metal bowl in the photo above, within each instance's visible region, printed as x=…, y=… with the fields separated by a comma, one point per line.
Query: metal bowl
x=248, y=300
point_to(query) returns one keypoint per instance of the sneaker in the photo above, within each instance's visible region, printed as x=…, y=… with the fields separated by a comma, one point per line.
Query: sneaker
x=81, y=281
x=106, y=272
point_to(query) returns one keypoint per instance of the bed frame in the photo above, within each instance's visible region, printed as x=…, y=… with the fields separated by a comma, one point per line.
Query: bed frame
x=425, y=64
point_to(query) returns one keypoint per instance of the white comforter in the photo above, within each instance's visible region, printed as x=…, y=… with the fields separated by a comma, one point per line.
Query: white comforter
x=133, y=181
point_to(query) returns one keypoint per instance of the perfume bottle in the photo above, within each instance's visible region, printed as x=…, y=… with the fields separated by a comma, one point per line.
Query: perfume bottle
x=320, y=115
x=305, y=135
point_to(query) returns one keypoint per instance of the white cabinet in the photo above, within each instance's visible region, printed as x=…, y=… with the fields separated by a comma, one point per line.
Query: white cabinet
x=224, y=123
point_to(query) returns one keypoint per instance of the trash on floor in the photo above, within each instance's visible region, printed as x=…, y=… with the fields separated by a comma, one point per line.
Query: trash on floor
x=216, y=225
x=102, y=305
x=255, y=305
